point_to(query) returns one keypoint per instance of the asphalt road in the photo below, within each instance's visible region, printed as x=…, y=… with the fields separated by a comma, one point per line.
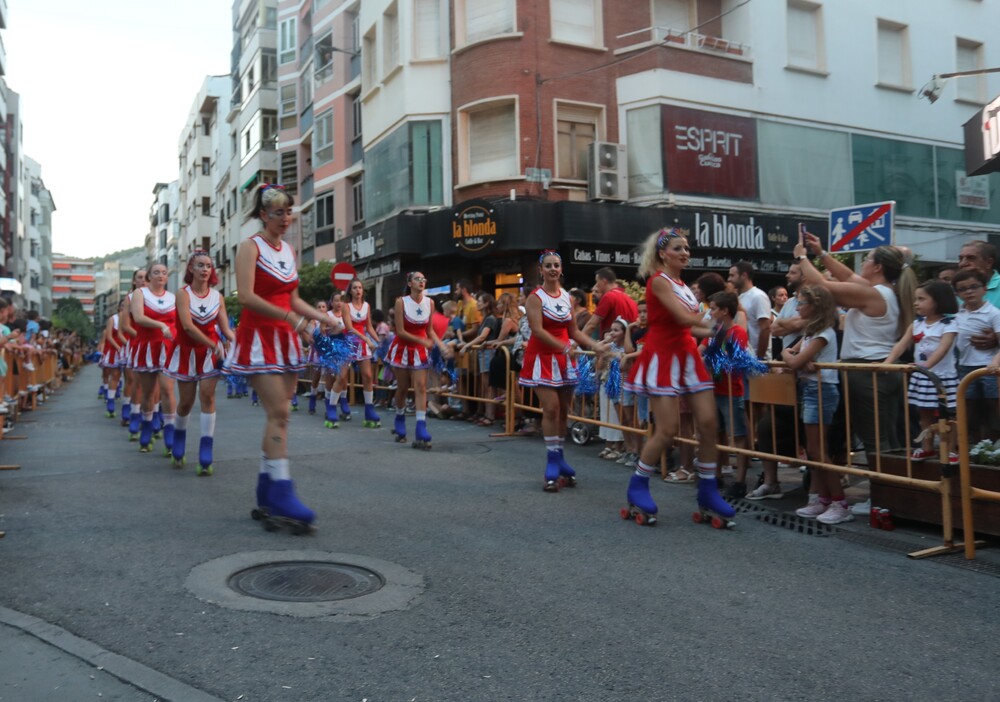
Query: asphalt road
x=526, y=595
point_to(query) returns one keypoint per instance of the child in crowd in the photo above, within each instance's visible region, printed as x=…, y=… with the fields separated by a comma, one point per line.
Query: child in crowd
x=933, y=337
x=630, y=401
x=729, y=387
x=610, y=406
x=977, y=317
x=819, y=391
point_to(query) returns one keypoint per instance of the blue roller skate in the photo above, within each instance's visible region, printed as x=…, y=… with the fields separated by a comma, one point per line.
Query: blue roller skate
x=295, y=402
x=641, y=507
x=399, y=428
x=126, y=413
x=134, y=424
x=205, y=455
x=178, y=448
x=157, y=424
x=168, y=440
x=712, y=509
x=331, y=416
x=372, y=420
x=145, y=436
x=421, y=437
x=254, y=400
x=567, y=476
x=110, y=406
x=552, y=482
x=345, y=408
x=102, y=393
x=283, y=508
x=312, y=404
x=263, y=485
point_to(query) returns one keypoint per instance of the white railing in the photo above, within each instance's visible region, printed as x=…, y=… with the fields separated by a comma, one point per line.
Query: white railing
x=693, y=40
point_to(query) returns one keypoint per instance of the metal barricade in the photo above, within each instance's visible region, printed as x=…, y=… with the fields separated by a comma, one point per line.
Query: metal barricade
x=967, y=490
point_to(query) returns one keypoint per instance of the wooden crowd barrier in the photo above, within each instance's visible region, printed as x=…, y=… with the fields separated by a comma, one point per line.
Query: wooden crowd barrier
x=967, y=491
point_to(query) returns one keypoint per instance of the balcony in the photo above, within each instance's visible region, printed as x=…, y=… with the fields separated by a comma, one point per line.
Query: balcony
x=698, y=42
x=306, y=120
x=307, y=189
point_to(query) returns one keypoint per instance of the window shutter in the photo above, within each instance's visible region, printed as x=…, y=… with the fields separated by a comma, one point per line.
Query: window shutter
x=492, y=146
x=427, y=39
x=573, y=20
x=486, y=18
x=802, y=40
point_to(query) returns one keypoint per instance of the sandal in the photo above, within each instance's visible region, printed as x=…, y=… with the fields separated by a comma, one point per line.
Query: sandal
x=680, y=475
x=612, y=455
x=484, y=422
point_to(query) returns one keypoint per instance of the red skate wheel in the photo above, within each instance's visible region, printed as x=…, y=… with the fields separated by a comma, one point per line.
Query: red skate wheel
x=625, y=514
x=697, y=517
x=640, y=519
x=717, y=523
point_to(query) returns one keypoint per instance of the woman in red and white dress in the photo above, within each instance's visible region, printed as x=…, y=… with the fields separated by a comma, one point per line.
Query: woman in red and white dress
x=669, y=367
x=111, y=359
x=268, y=348
x=198, y=354
x=131, y=393
x=358, y=320
x=548, y=367
x=409, y=356
x=154, y=316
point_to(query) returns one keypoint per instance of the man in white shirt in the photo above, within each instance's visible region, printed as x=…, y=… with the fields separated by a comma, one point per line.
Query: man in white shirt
x=788, y=325
x=757, y=306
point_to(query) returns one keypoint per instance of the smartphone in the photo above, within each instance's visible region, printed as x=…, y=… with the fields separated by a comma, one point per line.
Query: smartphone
x=802, y=229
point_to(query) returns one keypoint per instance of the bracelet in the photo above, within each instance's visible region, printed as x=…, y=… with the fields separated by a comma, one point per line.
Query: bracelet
x=821, y=254
x=801, y=258
x=298, y=324
x=566, y=348
x=287, y=312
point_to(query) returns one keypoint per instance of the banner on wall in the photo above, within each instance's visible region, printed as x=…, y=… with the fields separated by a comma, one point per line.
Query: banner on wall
x=707, y=153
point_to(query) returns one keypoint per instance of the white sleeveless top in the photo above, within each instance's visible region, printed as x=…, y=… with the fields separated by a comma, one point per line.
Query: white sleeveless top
x=559, y=308
x=871, y=338
x=359, y=317
x=203, y=310
x=418, y=313
x=336, y=323
x=114, y=320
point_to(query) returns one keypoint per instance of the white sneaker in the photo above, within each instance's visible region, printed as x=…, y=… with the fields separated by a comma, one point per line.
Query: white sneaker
x=766, y=491
x=836, y=513
x=862, y=508
x=28, y=365
x=812, y=510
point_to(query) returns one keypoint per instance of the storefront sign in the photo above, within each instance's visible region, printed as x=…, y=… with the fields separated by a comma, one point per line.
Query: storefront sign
x=982, y=140
x=732, y=231
x=709, y=153
x=474, y=227
x=365, y=246
x=378, y=270
x=972, y=191
x=605, y=256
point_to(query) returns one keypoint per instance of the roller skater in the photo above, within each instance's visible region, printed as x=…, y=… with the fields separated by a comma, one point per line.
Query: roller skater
x=336, y=382
x=668, y=365
x=269, y=351
x=548, y=367
x=358, y=321
x=408, y=355
x=133, y=392
x=421, y=437
x=332, y=421
x=314, y=365
x=111, y=360
x=254, y=400
x=179, y=447
x=135, y=423
x=711, y=507
x=372, y=420
x=154, y=316
x=295, y=402
x=198, y=354
x=399, y=427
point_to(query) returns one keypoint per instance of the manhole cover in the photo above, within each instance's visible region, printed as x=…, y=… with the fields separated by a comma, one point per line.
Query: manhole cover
x=306, y=581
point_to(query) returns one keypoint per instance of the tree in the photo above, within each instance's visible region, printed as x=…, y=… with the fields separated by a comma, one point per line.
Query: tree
x=69, y=315
x=233, y=309
x=314, y=281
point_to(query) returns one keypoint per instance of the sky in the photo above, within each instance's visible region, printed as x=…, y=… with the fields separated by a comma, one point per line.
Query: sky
x=106, y=87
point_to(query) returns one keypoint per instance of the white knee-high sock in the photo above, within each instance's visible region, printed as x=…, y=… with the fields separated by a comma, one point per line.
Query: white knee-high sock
x=208, y=423
x=369, y=396
x=181, y=422
x=278, y=468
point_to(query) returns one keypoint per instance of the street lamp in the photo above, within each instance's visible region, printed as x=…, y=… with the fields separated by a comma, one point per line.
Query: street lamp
x=932, y=89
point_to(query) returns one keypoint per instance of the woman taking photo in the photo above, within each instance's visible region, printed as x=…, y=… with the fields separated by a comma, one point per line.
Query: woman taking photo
x=358, y=320
x=198, y=354
x=154, y=316
x=548, y=367
x=409, y=356
x=668, y=368
x=268, y=349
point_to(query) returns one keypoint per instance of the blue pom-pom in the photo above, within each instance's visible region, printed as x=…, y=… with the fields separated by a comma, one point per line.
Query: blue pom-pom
x=613, y=385
x=382, y=350
x=333, y=352
x=586, y=383
x=723, y=357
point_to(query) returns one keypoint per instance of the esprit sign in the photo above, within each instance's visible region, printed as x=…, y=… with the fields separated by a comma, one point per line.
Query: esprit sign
x=707, y=153
x=474, y=226
x=982, y=140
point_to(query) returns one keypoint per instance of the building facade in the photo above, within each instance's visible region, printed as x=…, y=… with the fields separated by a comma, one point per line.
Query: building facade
x=73, y=277
x=36, y=250
x=163, y=243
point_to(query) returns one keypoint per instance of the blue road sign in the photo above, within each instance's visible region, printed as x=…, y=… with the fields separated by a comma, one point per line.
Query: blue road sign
x=862, y=227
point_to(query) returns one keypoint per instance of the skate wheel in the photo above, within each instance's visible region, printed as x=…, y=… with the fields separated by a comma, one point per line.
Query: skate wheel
x=697, y=517
x=551, y=486
x=299, y=529
x=269, y=525
x=624, y=513
x=256, y=515
x=640, y=519
x=717, y=523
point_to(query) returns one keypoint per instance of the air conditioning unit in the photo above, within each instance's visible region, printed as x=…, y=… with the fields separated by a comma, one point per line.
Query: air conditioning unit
x=607, y=172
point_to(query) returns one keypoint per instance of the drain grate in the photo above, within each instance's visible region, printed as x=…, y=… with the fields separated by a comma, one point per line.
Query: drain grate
x=305, y=581
x=876, y=541
x=785, y=520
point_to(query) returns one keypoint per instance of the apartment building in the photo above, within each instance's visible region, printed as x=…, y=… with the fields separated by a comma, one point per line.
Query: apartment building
x=36, y=252
x=73, y=277
x=163, y=243
x=582, y=125
x=9, y=133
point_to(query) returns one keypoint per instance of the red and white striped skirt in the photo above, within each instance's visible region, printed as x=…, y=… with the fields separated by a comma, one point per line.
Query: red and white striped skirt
x=669, y=372
x=192, y=363
x=265, y=350
x=148, y=356
x=547, y=369
x=407, y=356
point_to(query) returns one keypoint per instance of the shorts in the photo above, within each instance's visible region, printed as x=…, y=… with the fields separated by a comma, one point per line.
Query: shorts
x=732, y=425
x=809, y=399
x=984, y=388
x=628, y=398
x=642, y=408
x=485, y=358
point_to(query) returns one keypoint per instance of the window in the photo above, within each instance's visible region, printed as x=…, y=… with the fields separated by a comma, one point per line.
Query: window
x=323, y=139
x=672, y=17
x=324, y=58
x=289, y=171
x=251, y=82
x=390, y=39
x=428, y=33
x=490, y=142
x=576, y=127
x=206, y=166
x=482, y=19
x=577, y=21
x=306, y=90
x=324, y=219
x=404, y=169
x=286, y=41
x=356, y=113
x=206, y=127
x=288, y=115
x=787, y=155
x=893, y=55
x=268, y=68
x=805, y=36
x=645, y=151
x=369, y=62
x=969, y=57
x=888, y=169
x=269, y=130
x=206, y=206
x=358, y=197
x=270, y=17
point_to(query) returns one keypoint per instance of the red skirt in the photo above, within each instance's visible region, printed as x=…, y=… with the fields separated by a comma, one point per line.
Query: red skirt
x=112, y=358
x=192, y=363
x=547, y=369
x=148, y=356
x=407, y=356
x=270, y=349
x=669, y=371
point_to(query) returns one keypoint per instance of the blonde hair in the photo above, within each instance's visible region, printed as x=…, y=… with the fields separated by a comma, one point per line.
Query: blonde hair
x=510, y=308
x=649, y=262
x=824, y=309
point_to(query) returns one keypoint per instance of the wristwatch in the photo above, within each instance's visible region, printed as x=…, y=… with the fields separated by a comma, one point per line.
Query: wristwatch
x=799, y=259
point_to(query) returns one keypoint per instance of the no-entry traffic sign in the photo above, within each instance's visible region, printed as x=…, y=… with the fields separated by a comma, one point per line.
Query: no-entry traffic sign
x=862, y=227
x=342, y=275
